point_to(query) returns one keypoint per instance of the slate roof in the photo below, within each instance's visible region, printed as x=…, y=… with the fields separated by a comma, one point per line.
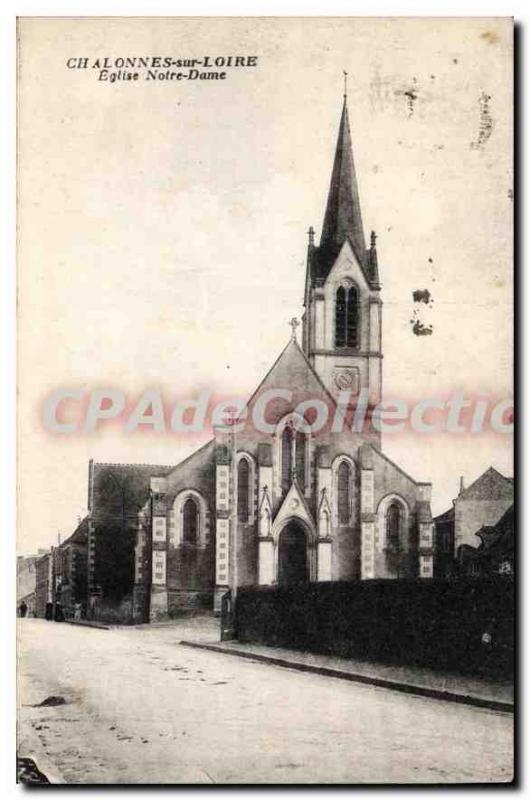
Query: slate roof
x=490, y=484
x=342, y=219
x=447, y=516
x=80, y=534
x=293, y=370
x=121, y=489
x=205, y=451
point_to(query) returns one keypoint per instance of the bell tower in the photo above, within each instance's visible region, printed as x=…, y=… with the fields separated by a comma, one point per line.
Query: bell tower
x=342, y=319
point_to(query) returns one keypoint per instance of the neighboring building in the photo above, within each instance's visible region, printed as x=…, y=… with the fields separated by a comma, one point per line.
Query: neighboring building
x=56, y=576
x=27, y=583
x=495, y=554
x=71, y=558
x=116, y=493
x=295, y=507
x=482, y=503
x=476, y=509
x=444, y=545
x=92, y=571
x=44, y=589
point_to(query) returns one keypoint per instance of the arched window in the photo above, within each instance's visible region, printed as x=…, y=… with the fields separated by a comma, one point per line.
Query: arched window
x=393, y=525
x=287, y=449
x=346, y=317
x=243, y=490
x=351, y=318
x=300, y=456
x=343, y=493
x=190, y=522
x=340, y=318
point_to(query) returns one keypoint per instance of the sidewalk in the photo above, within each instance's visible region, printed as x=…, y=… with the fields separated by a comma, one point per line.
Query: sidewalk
x=497, y=696
x=87, y=623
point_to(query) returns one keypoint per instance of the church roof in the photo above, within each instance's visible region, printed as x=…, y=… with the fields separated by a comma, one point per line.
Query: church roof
x=368, y=448
x=118, y=489
x=342, y=219
x=189, y=465
x=292, y=370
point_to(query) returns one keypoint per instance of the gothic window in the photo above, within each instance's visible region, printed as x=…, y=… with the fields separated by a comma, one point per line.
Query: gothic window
x=340, y=318
x=243, y=490
x=346, y=317
x=190, y=522
x=352, y=307
x=300, y=457
x=287, y=449
x=393, y=525
x=343, y=493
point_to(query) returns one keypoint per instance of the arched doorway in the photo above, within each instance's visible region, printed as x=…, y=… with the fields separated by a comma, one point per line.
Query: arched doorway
x=292, y=555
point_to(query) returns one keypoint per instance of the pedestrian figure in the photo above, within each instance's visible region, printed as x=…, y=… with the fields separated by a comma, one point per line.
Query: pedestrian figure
x=490, y=649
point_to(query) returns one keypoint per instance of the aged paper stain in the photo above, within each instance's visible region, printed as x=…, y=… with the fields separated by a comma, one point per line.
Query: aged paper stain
x=490, y=37
x=485, y=124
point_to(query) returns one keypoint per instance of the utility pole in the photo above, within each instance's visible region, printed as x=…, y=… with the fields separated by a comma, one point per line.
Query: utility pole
x=232, y=421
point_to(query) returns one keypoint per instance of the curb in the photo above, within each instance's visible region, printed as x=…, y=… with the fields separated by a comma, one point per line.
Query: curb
x=383, y=683
x=99, y=625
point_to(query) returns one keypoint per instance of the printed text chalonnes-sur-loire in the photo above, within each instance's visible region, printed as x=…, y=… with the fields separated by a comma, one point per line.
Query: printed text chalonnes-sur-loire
x=161, y=68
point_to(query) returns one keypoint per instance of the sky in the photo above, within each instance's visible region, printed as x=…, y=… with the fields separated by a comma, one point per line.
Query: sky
x=162, y=225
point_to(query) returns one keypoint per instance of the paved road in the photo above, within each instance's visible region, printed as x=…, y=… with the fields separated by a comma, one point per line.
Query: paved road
x=140, y=709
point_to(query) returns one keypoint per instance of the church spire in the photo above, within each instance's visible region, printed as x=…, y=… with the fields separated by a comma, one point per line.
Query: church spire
x=341, y=332
x=342, y=219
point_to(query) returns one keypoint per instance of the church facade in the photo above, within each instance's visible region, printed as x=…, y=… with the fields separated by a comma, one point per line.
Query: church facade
x=284, y=505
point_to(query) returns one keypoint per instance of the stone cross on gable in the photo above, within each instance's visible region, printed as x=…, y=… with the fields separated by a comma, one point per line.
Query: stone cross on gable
x=294, y=325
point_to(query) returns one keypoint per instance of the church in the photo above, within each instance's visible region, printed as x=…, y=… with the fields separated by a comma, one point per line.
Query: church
x=284, y=506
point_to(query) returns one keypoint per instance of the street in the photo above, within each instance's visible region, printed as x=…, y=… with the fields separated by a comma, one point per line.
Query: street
x=140, y=708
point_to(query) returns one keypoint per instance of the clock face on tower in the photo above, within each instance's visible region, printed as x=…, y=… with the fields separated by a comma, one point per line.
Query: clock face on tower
x=346, y=379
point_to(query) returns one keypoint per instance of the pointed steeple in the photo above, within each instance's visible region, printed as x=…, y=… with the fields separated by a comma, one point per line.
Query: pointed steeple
x=341, y=335
x=342, y=219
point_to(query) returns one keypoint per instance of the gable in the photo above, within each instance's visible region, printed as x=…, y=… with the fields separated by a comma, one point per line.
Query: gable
x=293, y=505
x=347, y=266
x=488, y=486
x=292, y=372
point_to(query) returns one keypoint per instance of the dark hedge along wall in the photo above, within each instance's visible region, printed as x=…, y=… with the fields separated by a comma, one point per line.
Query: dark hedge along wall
x=465, y=626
